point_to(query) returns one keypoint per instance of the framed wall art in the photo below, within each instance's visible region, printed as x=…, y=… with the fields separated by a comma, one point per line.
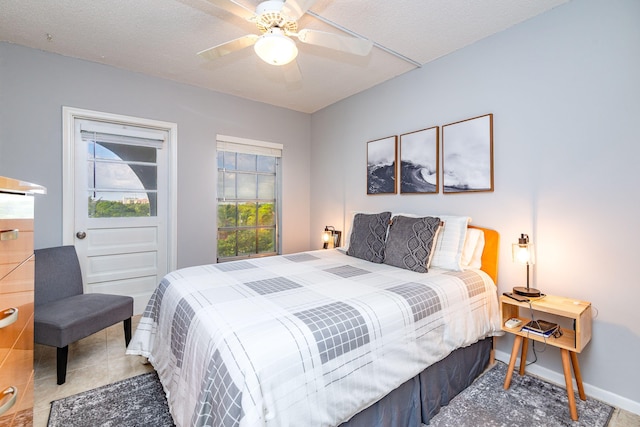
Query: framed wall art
x=467, y=155
x=381, y=165
x=419, y=161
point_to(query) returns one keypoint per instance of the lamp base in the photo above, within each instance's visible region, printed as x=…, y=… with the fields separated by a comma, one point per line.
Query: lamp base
x=527, y=292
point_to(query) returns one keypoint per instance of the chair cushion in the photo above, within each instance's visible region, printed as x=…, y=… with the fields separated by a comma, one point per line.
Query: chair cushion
x=62, y=322
x=57, y=274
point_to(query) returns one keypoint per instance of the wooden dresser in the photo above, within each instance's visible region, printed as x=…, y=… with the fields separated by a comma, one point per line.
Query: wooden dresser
x=16, y=301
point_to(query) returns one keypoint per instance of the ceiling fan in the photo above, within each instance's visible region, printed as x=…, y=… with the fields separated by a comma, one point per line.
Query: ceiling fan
x=277, y=22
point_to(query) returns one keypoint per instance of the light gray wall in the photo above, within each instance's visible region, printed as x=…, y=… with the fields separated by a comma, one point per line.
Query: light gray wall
x=34, y=86
x=564, y=92
x=564, y=89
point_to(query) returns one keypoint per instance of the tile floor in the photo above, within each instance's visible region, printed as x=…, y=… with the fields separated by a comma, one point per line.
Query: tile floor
x=99, y=360
x=93, y=362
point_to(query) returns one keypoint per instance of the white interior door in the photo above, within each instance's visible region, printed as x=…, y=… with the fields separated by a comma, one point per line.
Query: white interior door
x=121, y=205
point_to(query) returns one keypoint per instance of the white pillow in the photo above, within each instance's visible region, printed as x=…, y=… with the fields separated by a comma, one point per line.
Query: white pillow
x=450, y=243
x=476, y=260
x=434, y=244
x=473, y=247
x=447, y=253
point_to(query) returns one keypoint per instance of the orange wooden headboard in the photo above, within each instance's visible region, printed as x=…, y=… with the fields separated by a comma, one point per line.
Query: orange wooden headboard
x=490, y=253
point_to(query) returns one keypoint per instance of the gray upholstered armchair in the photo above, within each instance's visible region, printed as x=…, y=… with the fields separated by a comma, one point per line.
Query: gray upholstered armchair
x=63, y=312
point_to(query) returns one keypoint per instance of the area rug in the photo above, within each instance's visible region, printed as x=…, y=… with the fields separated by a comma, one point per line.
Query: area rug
x=137, y=401
x=529, y=402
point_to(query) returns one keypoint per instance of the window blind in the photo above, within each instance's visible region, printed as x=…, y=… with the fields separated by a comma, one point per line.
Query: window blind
x=248, y=146
x=92, y=131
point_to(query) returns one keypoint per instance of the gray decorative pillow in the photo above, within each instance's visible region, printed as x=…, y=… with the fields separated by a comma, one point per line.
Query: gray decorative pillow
x=368, y=234
x=410, y=241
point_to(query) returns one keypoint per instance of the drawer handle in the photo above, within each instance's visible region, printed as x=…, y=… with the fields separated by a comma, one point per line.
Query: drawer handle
x=9, y=316
x=9, y=234
x=12, y=400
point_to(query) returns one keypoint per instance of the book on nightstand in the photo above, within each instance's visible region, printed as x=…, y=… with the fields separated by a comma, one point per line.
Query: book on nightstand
x=540, y=327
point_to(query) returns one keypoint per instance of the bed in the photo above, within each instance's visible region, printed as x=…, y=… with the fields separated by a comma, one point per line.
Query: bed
x=319, y=338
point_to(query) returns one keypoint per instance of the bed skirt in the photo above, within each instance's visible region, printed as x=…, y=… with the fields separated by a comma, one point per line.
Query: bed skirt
x=420, y=398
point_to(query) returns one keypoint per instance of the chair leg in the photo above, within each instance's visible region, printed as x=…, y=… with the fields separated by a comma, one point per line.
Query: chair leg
x=127, y=331
x=61, y=363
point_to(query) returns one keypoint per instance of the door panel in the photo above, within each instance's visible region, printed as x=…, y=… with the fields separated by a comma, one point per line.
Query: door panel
x=120, y=266
x=103, y=241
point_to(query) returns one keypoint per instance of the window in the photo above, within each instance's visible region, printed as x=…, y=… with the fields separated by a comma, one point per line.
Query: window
x=122, y=175
x=248, y=189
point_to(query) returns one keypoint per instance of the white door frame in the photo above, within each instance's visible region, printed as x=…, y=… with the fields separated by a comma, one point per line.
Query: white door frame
x=69, y=116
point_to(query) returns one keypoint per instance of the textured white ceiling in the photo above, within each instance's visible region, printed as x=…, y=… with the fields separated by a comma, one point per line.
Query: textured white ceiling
x=161, y=38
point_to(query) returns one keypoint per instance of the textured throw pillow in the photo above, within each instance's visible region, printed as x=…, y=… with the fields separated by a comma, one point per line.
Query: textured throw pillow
x=410, y=242
x=368, y=234
x=449, y=243
x=347, y=237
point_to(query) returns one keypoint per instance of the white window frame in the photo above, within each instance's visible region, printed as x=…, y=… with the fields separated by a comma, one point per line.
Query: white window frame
x=253, y=146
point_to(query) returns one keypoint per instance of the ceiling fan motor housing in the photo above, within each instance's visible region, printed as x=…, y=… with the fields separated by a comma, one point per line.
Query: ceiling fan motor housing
x=270, y=15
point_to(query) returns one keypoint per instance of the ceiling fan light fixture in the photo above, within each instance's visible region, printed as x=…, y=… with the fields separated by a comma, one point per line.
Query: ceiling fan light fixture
x=275, y=48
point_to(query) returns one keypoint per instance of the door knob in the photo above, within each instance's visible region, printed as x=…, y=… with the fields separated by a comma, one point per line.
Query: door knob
x=81, y=235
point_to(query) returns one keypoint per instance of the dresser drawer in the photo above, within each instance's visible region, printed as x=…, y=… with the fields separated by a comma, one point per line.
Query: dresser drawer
x=23, y=408
x=16, y=243
x=17, y=371
x=19, y=279
x=17, y=308
x=17, y=365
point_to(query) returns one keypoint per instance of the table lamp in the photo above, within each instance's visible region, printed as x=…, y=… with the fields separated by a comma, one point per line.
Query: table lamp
x=523, y=252
x=331, y=237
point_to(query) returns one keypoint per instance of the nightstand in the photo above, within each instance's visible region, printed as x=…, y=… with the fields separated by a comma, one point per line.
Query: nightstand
x=573, y=339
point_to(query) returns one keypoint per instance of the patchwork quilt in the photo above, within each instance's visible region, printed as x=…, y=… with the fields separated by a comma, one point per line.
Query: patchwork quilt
x=308, y=339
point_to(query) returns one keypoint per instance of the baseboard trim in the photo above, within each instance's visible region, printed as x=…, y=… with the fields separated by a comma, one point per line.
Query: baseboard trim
x=592, y=391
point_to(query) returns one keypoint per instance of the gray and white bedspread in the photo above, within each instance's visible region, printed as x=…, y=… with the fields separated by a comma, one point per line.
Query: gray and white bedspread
x=308, y=339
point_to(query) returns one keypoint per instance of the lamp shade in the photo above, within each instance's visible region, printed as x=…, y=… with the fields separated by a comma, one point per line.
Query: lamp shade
x=274, y=48
x=523, y=251
x=326, y=236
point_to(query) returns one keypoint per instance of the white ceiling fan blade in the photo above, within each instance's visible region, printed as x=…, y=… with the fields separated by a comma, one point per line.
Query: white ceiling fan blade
x=294, y=9
x=229, y=47
x=351, y=45
x=235, y=8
